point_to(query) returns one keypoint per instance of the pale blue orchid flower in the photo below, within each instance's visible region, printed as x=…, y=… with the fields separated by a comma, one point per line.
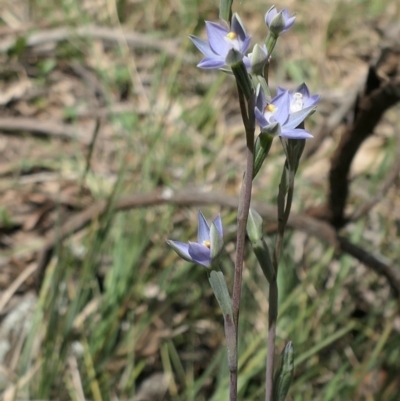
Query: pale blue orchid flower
x=208, y=246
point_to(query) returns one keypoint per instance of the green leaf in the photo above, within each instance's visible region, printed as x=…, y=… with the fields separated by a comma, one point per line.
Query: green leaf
x=218, y=284
x=225, y=10
x=235, y=60
x=254, y=226
x=283, y=376
x=18, y=48
x=262, y=147
x=295, y=150
x=260, y=247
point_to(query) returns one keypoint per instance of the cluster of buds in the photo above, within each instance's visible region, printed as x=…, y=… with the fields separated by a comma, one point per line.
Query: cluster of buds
x=227, y=46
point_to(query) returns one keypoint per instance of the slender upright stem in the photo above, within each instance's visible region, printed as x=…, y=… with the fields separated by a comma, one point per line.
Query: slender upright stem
x=243, y=213
x=273, y=290
x=233, y=386
x=272, y=318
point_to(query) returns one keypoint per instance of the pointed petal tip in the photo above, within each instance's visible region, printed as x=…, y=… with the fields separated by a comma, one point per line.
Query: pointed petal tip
x=203, y=229
x=181, y=249
x=218, y=223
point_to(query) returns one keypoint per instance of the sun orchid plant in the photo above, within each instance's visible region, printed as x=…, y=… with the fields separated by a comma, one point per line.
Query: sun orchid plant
x=282, y=116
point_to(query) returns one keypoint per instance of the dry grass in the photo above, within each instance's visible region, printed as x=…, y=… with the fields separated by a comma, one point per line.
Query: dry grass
x=118, y=316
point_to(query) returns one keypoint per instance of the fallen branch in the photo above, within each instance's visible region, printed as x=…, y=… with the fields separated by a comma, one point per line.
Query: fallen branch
x=134, y=40
x=47, y=128
x=381, y=92
x=332, y=121
x=191, y=197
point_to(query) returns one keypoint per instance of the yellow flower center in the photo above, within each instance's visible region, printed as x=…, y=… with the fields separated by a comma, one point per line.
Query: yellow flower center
x=207, y=244
x=269, y=108
x=232, y=35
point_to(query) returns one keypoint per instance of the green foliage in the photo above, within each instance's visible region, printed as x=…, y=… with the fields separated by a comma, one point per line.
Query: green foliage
x=18, y=48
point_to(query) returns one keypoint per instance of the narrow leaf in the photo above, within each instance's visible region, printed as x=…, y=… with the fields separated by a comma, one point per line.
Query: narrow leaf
x=218, y=284
x=283, y=376
x=262, y=147
x=261, y=251
x=225, y=10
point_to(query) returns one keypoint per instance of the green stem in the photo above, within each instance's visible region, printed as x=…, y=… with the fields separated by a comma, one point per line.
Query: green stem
x=282, y=221
x=272, y=318
x=283, y=217
x=243, y=213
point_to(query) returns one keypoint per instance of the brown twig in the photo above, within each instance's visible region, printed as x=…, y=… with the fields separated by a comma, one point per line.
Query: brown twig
x=47, y=128
x=379, y=95
x=331, y=122
x=377, y=263
x=192, y=197
x=133, y=39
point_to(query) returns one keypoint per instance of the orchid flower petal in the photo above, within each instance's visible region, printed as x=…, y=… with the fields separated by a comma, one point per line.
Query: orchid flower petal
x=203, y=229
x=211, y=63
x=181, y=249
x=202, y=45
x=297, y=133
x=217, y=38
x=200, y=254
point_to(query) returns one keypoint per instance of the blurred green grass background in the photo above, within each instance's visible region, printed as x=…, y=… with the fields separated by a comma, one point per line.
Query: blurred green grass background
x=118, y=310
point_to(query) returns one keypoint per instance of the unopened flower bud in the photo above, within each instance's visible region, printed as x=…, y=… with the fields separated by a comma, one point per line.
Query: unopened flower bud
x=259, y=57
x=278, y=22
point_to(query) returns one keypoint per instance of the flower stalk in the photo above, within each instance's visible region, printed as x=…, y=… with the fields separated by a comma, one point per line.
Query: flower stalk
x=243, y=213
x=281, y=116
